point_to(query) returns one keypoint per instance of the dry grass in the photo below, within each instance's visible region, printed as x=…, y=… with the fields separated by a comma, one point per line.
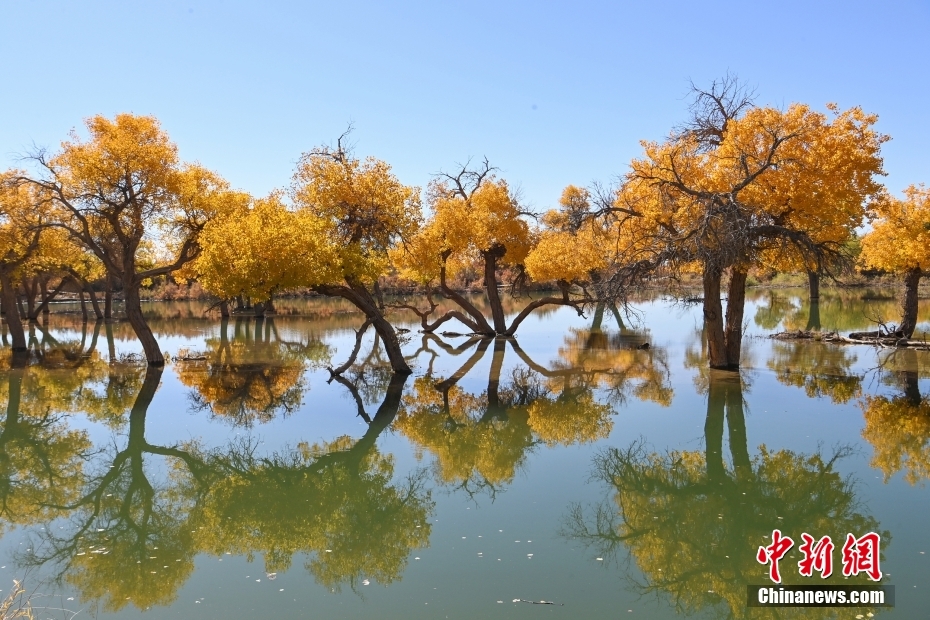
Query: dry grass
x=17, y=604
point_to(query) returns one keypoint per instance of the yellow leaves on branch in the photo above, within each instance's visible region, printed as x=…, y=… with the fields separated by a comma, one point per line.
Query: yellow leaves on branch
x=258, y=249
x=564, y=255
x=800, y=169
x=365, y=208
x=464, y=227
x=900, y=238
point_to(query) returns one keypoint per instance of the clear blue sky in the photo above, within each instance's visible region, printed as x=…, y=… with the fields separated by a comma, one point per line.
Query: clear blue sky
x=552, y=93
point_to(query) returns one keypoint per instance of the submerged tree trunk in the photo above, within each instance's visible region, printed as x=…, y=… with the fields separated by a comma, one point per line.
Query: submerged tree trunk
x=479, y=324
x=909, y=304
x=108, y=299
x=84, y=314
x=813, y=282
x=490, y=286
x=46, y=297
x=713, y=318
x=724, y=333
x=93, y=301
x=736, y=304
x=358, y=294
x=13, y=319
x=143, y=332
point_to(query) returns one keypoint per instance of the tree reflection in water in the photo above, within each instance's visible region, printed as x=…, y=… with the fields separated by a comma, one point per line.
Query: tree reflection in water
x=480, y=441
x=898, y=427
x=820, y=369
x=41, y=459
x=252, y=377
x=126, y=535
x=693, y=522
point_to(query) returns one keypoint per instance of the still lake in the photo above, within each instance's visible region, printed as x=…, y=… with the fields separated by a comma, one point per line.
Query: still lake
x=572, y=465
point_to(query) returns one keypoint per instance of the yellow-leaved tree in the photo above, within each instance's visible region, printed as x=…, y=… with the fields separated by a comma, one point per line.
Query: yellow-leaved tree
x=363, y=212
x=899, y=243
x=477, y=219
x=22, y=218
x=260, y=247
x=737, y=184
x=124, y=194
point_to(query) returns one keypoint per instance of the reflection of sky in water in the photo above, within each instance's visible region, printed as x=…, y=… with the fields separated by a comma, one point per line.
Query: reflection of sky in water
x=451, y=578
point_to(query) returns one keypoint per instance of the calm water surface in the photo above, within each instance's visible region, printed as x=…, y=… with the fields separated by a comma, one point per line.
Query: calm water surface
x=570, y=465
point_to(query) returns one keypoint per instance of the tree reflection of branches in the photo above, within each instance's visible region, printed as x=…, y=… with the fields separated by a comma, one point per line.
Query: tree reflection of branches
x=688, y=524
x=250, y=378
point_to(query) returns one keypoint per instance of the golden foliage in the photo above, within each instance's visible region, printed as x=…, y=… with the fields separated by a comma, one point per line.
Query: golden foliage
x=462, y=227
x=817, y=176
x=900, y=237
x=263, y=247
x=365, y=208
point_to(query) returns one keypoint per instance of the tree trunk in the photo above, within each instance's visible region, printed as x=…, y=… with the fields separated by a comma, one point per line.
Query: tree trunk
x=909, y=305
x=713, y=319
x=736, y=304
x=83, y=304
x=356, y=293
x=598, y=317
x=813, y=281
x=111, y=345
x=30, y=289
x=490, y=287
x=224, y=309
x=93, y=301
x=13, y=320
x=480, y=322
x=108, y=299
x=46, y=297
x=139, y=325
x=19, y=306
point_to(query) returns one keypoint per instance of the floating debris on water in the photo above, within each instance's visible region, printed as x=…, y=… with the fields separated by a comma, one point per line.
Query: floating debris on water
x=520, y=600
